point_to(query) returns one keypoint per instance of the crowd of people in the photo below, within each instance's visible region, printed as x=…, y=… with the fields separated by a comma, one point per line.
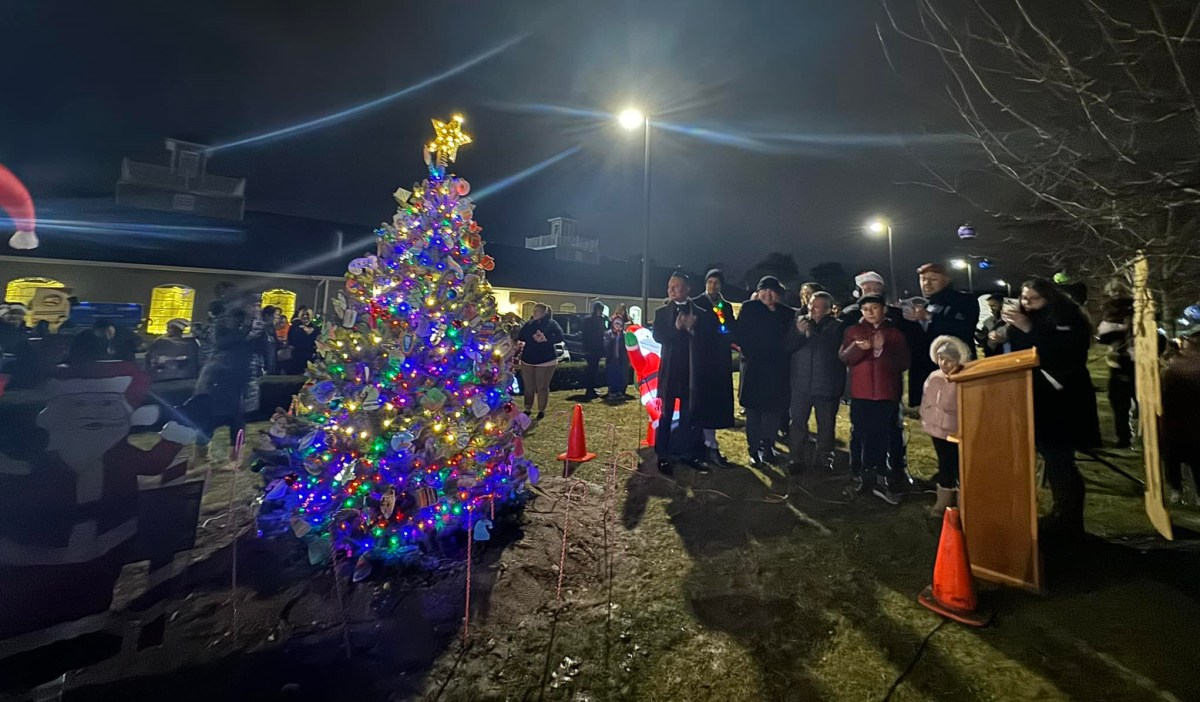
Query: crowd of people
x=797, y=362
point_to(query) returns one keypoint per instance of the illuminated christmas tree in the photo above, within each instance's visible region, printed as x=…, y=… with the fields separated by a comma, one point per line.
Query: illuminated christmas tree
x=413, y=432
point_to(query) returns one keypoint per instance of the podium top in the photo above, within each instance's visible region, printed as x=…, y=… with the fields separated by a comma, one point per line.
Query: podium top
x=997, y=365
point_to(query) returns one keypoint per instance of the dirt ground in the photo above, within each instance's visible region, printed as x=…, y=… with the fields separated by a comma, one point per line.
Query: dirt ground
x=736, y=585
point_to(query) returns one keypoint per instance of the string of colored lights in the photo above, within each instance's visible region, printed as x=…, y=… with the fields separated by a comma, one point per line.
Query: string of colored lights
x=411, y=427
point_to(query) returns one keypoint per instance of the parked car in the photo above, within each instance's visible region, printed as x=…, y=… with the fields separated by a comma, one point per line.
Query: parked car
x=572, y=326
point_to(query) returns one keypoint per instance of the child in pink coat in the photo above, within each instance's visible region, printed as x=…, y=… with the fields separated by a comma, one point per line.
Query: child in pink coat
x=939, y=416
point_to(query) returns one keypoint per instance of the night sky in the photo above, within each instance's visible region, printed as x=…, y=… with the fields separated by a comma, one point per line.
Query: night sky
x=89, y=83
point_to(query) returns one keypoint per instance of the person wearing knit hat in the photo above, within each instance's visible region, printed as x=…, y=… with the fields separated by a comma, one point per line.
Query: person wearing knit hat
x=762, y=326
x=714, y=389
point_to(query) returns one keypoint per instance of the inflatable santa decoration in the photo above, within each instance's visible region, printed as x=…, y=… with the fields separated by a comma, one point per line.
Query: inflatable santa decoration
x=645, y=356
x=68, y=518
x=15, y=200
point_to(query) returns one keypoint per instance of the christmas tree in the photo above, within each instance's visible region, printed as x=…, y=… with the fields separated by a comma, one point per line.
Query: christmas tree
x=412, y=431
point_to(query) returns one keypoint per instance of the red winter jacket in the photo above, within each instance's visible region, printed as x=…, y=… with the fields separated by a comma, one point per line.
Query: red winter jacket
x=875, y=374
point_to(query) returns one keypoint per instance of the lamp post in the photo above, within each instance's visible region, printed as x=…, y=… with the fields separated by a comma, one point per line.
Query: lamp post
x=630, y=119
x=1007, y=287
x=882, y=226
x=960, y=264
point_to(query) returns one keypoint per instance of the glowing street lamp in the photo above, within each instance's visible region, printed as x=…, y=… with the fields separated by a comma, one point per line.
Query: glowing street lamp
x=882, y=226
x=631, y=119
x=1005, y=284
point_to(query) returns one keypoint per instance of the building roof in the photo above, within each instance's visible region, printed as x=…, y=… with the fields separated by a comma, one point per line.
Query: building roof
x=97, y=229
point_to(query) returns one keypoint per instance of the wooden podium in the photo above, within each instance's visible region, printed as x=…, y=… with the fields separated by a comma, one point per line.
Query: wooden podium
x=997, y=464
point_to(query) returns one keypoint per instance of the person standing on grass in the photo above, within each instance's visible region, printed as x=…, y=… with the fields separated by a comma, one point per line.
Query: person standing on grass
x=818, y=379
x=616, y=361
x=1116, y=331
x=761, y=328
x=302, y=338
x=675, y=328
x=594, y=327
x=714, y=400
x=1181, y=417
x=872, y=283
x=539, y=357
x=877, y=354
x=939, y=416
x=1064, y=400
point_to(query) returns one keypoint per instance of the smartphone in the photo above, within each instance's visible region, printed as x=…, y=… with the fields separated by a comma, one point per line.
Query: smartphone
x=1011, y=305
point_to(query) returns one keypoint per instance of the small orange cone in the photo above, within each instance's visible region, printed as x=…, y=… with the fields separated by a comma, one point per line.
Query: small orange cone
x=576, y=441
x=952, y=593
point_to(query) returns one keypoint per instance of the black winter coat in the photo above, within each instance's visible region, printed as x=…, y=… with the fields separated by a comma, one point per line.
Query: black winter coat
x=1062, y=341
x=816, y=370
x=951, y=313
x=760, y=335
x=594, y=326
x=713, y=384
x=539, y=352
x=676, y=360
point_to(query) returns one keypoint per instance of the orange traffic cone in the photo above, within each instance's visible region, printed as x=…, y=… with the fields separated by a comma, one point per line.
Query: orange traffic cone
x=576, y=441
x=952, y=594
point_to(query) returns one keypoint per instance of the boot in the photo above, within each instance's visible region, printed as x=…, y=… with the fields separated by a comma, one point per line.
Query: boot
x=946, y=497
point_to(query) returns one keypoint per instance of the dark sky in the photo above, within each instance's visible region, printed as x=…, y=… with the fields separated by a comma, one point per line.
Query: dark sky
x=91, y=82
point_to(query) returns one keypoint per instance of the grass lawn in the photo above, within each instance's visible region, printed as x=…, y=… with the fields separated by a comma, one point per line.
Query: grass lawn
x=736, y=585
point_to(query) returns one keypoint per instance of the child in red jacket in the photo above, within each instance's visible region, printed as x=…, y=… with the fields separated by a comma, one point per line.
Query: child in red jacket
x=877, y=355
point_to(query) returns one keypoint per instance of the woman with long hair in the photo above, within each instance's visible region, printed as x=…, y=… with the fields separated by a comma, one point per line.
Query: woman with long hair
x=539, y=357
x=1064, y=399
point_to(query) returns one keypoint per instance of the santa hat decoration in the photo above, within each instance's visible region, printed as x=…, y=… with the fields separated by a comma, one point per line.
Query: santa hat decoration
x=15, y=200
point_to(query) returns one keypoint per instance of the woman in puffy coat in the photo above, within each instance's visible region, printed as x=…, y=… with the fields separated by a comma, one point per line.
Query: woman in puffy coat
x=1064, y=399
x=939, y=416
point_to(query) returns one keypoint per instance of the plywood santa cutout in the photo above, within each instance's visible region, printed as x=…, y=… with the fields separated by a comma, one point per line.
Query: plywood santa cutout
x=68, y=518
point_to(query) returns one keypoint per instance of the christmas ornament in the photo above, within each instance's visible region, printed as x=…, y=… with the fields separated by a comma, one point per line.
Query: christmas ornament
x=426, y=496
x=387, y=504
x=462, y=186
x=362, y=569
x=483, y=530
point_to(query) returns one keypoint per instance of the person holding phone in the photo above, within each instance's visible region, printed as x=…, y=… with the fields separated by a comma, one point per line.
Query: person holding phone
x=1064, y=400
x=539, y=357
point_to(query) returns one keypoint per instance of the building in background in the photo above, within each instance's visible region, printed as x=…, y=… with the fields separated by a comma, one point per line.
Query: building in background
x=171, y=262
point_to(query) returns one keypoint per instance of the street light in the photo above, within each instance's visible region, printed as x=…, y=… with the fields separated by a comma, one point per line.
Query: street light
x=1005, y=284
x=882, y=226
x=630, y=119
x=961, y=264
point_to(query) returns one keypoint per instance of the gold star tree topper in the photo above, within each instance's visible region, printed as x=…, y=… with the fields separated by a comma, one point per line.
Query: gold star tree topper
x=449, y=136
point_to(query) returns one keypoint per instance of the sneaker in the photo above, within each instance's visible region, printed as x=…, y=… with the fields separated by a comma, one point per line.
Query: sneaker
x=884, y=493
x=541, y=416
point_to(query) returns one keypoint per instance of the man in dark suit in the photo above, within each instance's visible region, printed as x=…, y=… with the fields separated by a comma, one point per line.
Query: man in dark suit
x=675, y=327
